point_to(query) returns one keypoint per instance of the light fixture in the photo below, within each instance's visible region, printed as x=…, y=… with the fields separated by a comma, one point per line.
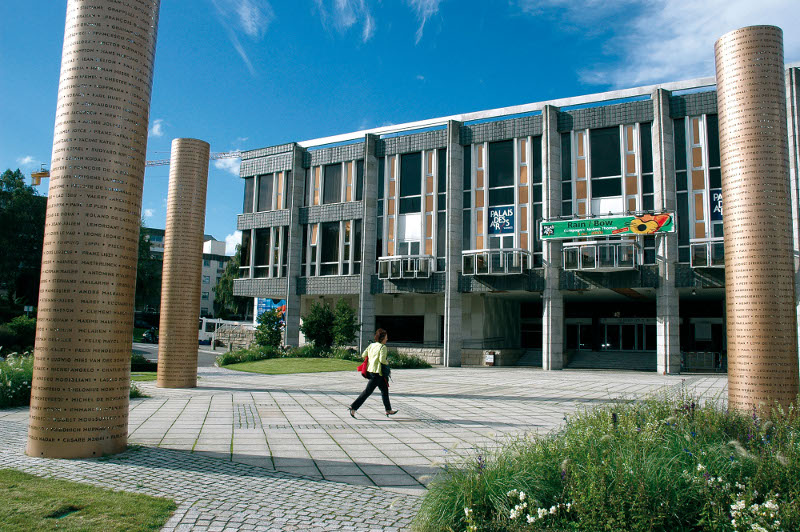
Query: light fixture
x=694, y=291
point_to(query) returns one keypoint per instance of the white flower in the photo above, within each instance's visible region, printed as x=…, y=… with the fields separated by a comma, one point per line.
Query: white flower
x=467, y=512
x=542, y=512
x=701, y=467
x=553, y=510
x=569, y=505
x=530, y=518
x=522, y=495
x=770, y=505
x=512, y=493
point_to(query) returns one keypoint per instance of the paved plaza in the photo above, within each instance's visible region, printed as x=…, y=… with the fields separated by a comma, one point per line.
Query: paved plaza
x=261, y=452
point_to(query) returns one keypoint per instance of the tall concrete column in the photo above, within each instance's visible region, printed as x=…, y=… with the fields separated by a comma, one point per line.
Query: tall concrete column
x=455, y=235
x=81, y=374
x=295, y=201
x=793, y=115
x=759, y=281
x=369, y=244
x=668, y=338
x=552, y=298
x=183, y=264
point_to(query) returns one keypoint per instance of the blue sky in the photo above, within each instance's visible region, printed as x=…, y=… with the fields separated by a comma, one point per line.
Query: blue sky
x=244, y=74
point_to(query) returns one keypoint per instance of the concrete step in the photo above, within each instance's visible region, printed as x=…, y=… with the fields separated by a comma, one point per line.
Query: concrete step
x=531, y=358
x=622, y=360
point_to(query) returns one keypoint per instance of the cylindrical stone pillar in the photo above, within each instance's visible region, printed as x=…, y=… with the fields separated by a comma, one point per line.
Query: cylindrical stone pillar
x=81, y=375
x=759, y=281
x=183, y=264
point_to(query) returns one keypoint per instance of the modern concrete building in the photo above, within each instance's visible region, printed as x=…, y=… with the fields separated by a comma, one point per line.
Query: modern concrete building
x=445, y=231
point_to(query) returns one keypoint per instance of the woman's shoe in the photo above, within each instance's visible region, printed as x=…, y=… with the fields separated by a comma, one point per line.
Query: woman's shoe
x=352, y=413
x=390, y=412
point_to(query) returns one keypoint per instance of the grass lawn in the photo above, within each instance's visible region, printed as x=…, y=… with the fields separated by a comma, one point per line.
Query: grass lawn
x=283, y=366
x=143, y=376
x=34, y=503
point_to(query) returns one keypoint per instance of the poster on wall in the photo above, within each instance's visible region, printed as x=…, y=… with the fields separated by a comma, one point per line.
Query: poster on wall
x=715, y=200
x=647, y=224
x=263, y=304
x=501, y=220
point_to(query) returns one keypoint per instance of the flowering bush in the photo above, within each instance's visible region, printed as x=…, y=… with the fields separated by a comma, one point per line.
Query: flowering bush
x=668, y=463
x=16, y=374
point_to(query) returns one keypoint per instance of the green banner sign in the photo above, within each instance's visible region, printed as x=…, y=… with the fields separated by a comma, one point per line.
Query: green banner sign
x=647, y=224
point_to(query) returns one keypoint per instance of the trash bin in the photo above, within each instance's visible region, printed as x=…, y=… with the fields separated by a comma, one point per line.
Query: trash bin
x=489, y=358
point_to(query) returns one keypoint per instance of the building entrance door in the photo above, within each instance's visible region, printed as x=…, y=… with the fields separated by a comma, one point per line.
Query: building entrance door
x=628, y=334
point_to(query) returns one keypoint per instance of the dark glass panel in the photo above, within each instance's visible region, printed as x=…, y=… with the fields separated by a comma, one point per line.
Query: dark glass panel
x=468, y=167
x=605, y=156
x=566, y=208
x=680, y=144
x=262, y=247
x=357, y=240
x=680, y=181
x=411, y=174
x=713, y=140
x=566, y=190
x=247, y=206
x=683, y=255
x=329, y=235
x=648, y=202
x=467, y=199
x=683, y=218
x=537, y=193
x=381, y=176
x=647, y=184
x=410, y=205
x=501, y=163
x=501, y=196
x=402, y=329
x=359, y=180
x=285, y=250
x=566, y=157
x=245, y=248
x=265, y=186
x=442, y=202
x=646, y=142
x=441, y=231
x=603, y=188
x=304, y=255
x=715, y=178
x=466, y=233
x=442, y=169
x=536, y=163
x=332, y=192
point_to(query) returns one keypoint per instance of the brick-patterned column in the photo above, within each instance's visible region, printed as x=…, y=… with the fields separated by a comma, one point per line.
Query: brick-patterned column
x=552, y=298
x=183, y=264
x=369, y=243
x=84, y=330
x=455, y=234
x=668, y=338
x=297, y=193
x=793, y=116
x=759, y=281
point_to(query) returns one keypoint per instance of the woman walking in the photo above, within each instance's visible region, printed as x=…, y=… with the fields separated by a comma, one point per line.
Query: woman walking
x=376, y=367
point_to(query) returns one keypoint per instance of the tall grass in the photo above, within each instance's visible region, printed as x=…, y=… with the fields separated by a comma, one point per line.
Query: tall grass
x=668, y=463
x=16, y=375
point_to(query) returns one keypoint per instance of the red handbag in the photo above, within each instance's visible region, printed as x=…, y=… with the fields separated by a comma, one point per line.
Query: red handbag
x=363, y=368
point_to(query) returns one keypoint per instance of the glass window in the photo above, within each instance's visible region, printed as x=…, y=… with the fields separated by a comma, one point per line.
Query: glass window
x=206, y=279
x=381, y=177
x=332, y=192
x=713, y=140
x=603, y=188
x=204, y=296
x=536, y=149
x=245, y=248
x=248, y=194
x=359, y=180
x=467, y=168
x=441, y=154
x=261, y=254
x=680, y=144
x=501, y=196
x=646, y=143
x=265, y=186
x=410, y=183
x=566, y=157
x=605, y=152
x=329, y=254
x=501, y=164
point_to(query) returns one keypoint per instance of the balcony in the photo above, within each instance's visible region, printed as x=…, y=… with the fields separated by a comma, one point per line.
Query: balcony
x=405, y=267
x=508, y=261
x=707, y=253
x=600, y=256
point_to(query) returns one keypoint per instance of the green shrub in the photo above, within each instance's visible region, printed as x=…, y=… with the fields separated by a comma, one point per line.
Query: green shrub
x=140, y=363
x=668, y=463
x=247, y=355
x=317, y=325
x=16, y=375
x=345, y=324
x=24, y=328
x=136, y=393
x=269, y=329
x=400, y=361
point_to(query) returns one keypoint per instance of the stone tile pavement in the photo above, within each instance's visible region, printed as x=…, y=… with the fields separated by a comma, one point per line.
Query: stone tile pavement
x=280, y=452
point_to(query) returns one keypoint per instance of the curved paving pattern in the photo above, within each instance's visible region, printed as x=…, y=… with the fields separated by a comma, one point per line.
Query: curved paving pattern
x=244, y=451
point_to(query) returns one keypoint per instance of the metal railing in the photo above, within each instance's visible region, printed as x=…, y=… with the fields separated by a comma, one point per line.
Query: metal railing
x=600, y=256
x=507, y=261
x=704, y=361
x=707, y=253
x=405, y=267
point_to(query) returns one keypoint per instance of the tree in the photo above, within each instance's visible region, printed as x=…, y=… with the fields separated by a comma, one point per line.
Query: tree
x=22, y=217
x=148, y=275
x=345, y=324
x=270, y=327
x=317, y=326
x=227, y=305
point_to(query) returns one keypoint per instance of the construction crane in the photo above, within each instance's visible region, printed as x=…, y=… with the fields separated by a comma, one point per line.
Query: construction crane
x=43, y=173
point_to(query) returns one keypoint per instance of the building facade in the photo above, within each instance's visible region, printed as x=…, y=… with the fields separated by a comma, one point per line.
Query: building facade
x=432, y=230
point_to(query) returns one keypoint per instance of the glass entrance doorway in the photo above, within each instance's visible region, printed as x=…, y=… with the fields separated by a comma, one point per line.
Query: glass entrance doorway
x=579, y=334
x=628, y=334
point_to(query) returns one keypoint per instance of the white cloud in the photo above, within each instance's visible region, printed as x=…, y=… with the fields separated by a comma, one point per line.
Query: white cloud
x=231, y=241
x=420, y=77
x=425, y=9
x=148, y=213
x=157, y=129
x=27, y=161
x=229, y=165
x=665, y=40
x=344, y=14
x=251, y=17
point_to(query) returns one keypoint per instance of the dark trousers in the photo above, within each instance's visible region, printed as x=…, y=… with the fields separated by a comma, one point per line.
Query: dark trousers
x=375, y=380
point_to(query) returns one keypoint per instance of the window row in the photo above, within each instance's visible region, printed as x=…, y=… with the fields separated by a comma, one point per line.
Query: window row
x=332, y=248
x=266, y=192
x=265, y=253
x=335, y=183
